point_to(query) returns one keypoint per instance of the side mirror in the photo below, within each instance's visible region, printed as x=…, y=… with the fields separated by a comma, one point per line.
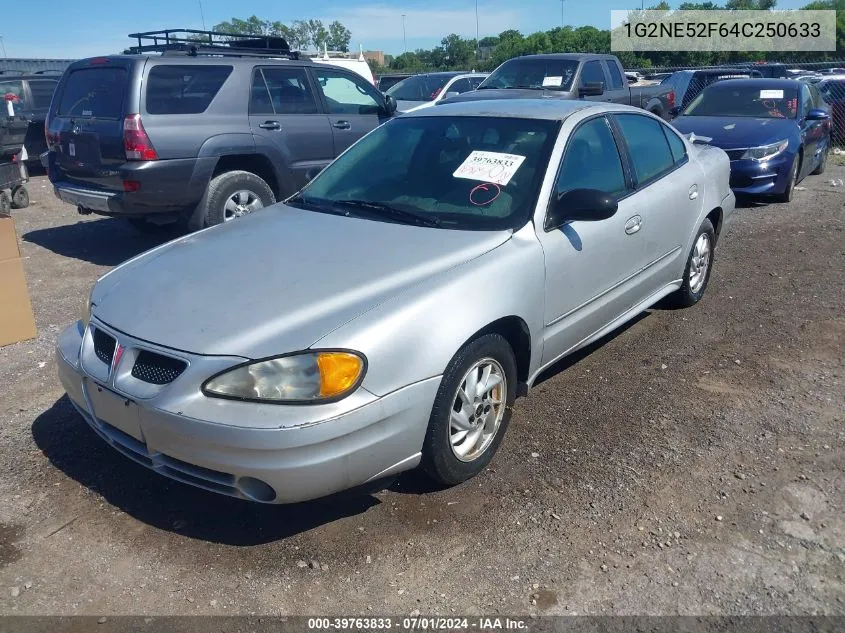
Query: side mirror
x=817, y=114
x=448, y=95
x=584, y=205
x=591, y=89
x=673, y=112
x=390, y=105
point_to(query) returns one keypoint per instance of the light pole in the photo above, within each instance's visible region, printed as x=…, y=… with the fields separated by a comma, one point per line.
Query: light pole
x=3, y=44
x=477, y=50
x=404, y=33
x=561, y=13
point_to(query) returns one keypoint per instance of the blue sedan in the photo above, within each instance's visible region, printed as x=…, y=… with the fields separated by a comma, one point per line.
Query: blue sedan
x=775, y=131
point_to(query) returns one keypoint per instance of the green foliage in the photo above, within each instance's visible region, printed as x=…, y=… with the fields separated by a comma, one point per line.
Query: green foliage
x=300, y=34
x=339, y=37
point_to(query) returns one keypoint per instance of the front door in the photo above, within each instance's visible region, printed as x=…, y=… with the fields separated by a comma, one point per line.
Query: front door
x=286, y=116
x=354, y=106
x=591, y=267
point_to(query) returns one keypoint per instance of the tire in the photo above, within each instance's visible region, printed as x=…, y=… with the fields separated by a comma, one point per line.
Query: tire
x=440, y=458
x=786, y=196
x=693, y=287
x=5, y=203
x=823, y=162
x=256, y=194
x=20, y=197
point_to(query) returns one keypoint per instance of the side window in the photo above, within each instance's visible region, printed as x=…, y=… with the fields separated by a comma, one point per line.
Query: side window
x=818, y=102
x=647, y=146
x=475, y=82
x=676, y=145
x=592, y=73
x=615, y=76
x=346, y=94
x=460, y=86
x=183, y=89
x=41, y=91
x=287, y=89
x=591, y=160
x=806, y=101
x=14, y=88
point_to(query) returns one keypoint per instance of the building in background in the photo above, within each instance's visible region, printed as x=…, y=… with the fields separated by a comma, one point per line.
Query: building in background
x=19, y=65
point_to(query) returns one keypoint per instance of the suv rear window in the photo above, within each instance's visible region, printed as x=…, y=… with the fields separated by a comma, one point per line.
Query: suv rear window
x=94, y=92
x=184, y=89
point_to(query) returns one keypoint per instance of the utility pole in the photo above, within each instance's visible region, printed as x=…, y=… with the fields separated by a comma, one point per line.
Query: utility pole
x=561, y=13
x=202, y=15
x=3, y=44
x=477, y=50
x=404, y=33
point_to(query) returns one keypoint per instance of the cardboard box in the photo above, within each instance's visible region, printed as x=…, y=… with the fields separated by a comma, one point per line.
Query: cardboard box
x=17, y=322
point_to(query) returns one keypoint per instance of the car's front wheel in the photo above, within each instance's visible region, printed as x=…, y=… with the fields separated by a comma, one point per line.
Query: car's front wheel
x=699, y=265
x=786, y=196
x=471, y=411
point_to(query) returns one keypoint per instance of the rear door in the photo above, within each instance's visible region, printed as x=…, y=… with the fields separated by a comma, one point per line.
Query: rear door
x=87, y=121
x=354, y=106
x=286, y=112
x=616, y=90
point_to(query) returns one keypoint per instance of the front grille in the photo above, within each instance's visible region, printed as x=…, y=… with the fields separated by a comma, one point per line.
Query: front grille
x=157, y=369
x=103, y=346
x=735, y=154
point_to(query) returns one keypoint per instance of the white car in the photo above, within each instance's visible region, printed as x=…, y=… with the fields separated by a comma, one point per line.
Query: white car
x=358, y=65
x=428, y=89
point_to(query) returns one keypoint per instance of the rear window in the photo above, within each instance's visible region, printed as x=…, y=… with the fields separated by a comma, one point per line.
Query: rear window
x=94, y=92
x=42, y=92
x=184, y=89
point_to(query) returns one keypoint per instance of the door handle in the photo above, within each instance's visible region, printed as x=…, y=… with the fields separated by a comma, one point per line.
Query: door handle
x=270, y=125
x=341, y=125
x=693, y=192
x=633, y=225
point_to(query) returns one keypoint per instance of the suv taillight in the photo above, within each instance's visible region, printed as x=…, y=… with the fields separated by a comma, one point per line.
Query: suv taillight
x=671, y=98
x=135, y=140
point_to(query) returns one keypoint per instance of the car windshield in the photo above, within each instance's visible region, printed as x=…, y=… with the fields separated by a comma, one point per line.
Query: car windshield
x=745, y=101
x=419, y=88
x=466, y=173
x=551, y=74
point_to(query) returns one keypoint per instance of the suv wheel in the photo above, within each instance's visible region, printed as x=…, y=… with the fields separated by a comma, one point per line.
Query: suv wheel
x=234, y=194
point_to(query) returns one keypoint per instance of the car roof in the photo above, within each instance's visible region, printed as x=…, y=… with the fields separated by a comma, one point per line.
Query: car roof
x=183, y=60
x=567, y=56
x=758, y=82
x=545, y=109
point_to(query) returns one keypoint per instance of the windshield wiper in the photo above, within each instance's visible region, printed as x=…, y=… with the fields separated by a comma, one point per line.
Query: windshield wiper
x=323, y=206
x=408, y=217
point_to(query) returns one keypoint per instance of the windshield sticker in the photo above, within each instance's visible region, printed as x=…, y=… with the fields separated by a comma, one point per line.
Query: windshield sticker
x=491, y=167
x=771, y=94
x=552, y=82
x=482, y=195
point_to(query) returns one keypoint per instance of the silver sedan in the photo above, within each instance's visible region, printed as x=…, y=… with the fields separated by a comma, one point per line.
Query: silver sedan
x=388, y=315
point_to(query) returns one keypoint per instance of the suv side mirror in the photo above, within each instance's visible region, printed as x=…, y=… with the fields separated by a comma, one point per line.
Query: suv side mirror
x=585, y=205
x=817, y=114
x=390, y=105
x=591, y=89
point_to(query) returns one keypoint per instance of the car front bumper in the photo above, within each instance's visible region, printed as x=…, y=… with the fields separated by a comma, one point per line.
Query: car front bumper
x=754, y=178
x=260, y=452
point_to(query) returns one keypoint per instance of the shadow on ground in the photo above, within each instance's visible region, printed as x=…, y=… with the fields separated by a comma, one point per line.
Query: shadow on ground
x=105, y=242
x=74, y=449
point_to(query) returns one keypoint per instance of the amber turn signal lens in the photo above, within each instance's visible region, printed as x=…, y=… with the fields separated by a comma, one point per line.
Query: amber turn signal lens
x=339, y=371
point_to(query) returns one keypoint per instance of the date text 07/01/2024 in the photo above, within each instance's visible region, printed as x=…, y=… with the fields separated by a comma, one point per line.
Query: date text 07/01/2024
x=420, y=623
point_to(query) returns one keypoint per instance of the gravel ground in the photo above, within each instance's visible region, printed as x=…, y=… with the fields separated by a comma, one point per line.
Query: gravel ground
x=690, y=464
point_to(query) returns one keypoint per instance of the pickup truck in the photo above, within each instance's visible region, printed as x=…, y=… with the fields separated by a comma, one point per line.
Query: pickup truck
x=570, y=76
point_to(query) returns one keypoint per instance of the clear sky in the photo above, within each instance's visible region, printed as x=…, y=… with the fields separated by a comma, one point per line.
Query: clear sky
x=82, y=28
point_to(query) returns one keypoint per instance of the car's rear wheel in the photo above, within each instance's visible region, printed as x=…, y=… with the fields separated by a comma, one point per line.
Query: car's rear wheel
x=786, y=196
x=471, y=411
x=697, y=271
x=823, y=162
x=234, y=194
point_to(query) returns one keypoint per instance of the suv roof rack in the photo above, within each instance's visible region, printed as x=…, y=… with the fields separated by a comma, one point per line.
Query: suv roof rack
x=214, y=43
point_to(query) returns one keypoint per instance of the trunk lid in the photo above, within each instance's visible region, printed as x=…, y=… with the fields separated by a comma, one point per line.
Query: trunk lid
x=87, y=123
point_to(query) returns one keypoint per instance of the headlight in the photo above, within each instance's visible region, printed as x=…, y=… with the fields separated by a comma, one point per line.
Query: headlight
x=766, y=151
x=303, y=377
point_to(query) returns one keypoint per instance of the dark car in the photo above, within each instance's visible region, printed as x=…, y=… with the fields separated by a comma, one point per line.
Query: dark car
x=385, y=82
x=32, y=95
x=832, y=90
x=775, y=131
x=590, y=76
x=688, y=84
x=203, y=133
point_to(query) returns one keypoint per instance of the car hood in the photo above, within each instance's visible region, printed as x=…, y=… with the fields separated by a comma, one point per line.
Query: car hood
x=275, y=281
x=507, y=93
x=737, y=132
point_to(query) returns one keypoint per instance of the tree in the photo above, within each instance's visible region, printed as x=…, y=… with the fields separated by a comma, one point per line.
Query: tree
x=458, y=52
x=317, y=34
x=253, y=25
x=339, y=37
x=749, y=5
x=699, y=6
